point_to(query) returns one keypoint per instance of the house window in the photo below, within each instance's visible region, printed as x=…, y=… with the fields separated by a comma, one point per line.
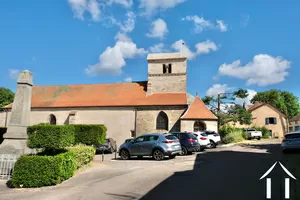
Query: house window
x=297, y=128
x=290, y=129
x=162, y=121
x=271, y=120
x=52, y=119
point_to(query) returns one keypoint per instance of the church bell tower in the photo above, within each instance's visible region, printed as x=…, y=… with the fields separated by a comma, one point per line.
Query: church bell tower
x=167, y=73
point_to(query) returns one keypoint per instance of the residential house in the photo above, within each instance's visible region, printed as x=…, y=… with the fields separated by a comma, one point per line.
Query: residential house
x=294, y=123
x=266, y=115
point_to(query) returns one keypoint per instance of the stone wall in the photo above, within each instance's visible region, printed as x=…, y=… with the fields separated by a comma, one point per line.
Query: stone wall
x=119, y=121
x=146, y=118
x=188, y=125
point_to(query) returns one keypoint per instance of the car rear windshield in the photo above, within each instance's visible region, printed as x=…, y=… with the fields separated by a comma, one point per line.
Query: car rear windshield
x=171, y=137
x=190, y=135
x=293, y=135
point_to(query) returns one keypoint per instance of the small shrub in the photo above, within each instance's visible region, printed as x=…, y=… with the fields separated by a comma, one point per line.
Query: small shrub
x=245, y=135
x=50, y=136
x=233, y=137
x=230, y=134
x=90, y=134
x=83, y=155
x=38, y=171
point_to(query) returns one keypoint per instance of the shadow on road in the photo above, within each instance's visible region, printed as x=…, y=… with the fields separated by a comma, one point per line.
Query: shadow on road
x=230, y=175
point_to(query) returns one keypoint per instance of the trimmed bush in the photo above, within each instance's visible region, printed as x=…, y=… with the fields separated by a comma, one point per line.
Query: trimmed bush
x=89, y=134
x=2, y=132
x=38, y=171
x=50, y=136
x=83, y=155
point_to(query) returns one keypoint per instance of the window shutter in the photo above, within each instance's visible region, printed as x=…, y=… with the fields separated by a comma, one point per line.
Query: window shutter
x=267, y=121
x=275, y=120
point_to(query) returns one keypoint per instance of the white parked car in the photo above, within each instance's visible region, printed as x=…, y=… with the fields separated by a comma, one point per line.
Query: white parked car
x=202, y=139
x=253, y=133
x=213, y=138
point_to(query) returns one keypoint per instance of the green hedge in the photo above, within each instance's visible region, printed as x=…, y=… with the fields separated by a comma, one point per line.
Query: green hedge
x=90, y=134
x=2, y=132
x=83, y=155
x=45, y=170
x=38, y=171
x=50, y=136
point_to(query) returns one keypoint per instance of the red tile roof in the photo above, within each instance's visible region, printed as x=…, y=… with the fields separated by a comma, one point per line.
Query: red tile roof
x=93, y=95
x=198, y=110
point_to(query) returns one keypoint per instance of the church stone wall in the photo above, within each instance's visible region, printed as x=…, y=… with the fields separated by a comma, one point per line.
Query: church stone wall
x=146, y=118
x=188, y=125
x=118, y=121
x=167, y=83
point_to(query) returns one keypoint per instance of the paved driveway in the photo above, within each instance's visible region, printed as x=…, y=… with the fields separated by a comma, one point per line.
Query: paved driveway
x=222, y=173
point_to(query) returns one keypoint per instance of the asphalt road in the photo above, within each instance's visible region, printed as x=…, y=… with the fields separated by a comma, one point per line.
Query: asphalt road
x=222, y=173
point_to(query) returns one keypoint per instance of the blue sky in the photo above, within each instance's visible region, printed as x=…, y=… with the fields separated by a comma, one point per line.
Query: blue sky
x=231, y=44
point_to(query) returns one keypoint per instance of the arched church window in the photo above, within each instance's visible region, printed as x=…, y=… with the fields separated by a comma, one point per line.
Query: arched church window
x=170, y=69
x=162, y=122
x=199, y=126
x=52, y=119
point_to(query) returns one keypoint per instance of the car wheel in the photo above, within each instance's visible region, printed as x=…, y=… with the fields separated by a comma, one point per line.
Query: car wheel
x=158, y=155
x=258, y=138
x=172, y=156
x=124, y=154
x=184, y=151
x=213, y=144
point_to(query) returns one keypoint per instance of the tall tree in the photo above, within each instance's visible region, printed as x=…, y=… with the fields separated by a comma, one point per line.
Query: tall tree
x=6, y=96
x=224, y=107
x=284, y=101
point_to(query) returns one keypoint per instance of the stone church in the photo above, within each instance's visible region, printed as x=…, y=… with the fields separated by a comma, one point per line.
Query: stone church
x=159, y=105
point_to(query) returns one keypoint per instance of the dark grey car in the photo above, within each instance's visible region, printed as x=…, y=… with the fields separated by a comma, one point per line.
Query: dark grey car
x=156, y=145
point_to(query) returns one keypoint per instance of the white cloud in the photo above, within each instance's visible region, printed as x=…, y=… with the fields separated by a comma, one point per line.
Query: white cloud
x=79, y=7
x=112, y=60
x=205, y=47
x=125, y=3
x=201, y=48
x=126, y=26
x=217, y=89
x=202, y=24
x=128, y=79
x=263, y=70
x=222, y=26
x=152, y=6
x=14, y=73
x=158, y=48
x=159, y=29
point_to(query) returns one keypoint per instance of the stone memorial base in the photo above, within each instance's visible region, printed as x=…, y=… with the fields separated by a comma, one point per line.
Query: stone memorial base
x=15, y=146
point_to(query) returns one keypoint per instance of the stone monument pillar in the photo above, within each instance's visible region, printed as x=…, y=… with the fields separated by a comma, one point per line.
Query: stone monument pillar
x=15, y=138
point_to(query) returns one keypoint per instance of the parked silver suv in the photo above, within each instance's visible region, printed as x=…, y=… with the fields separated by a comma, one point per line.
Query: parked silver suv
x=156, y=145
